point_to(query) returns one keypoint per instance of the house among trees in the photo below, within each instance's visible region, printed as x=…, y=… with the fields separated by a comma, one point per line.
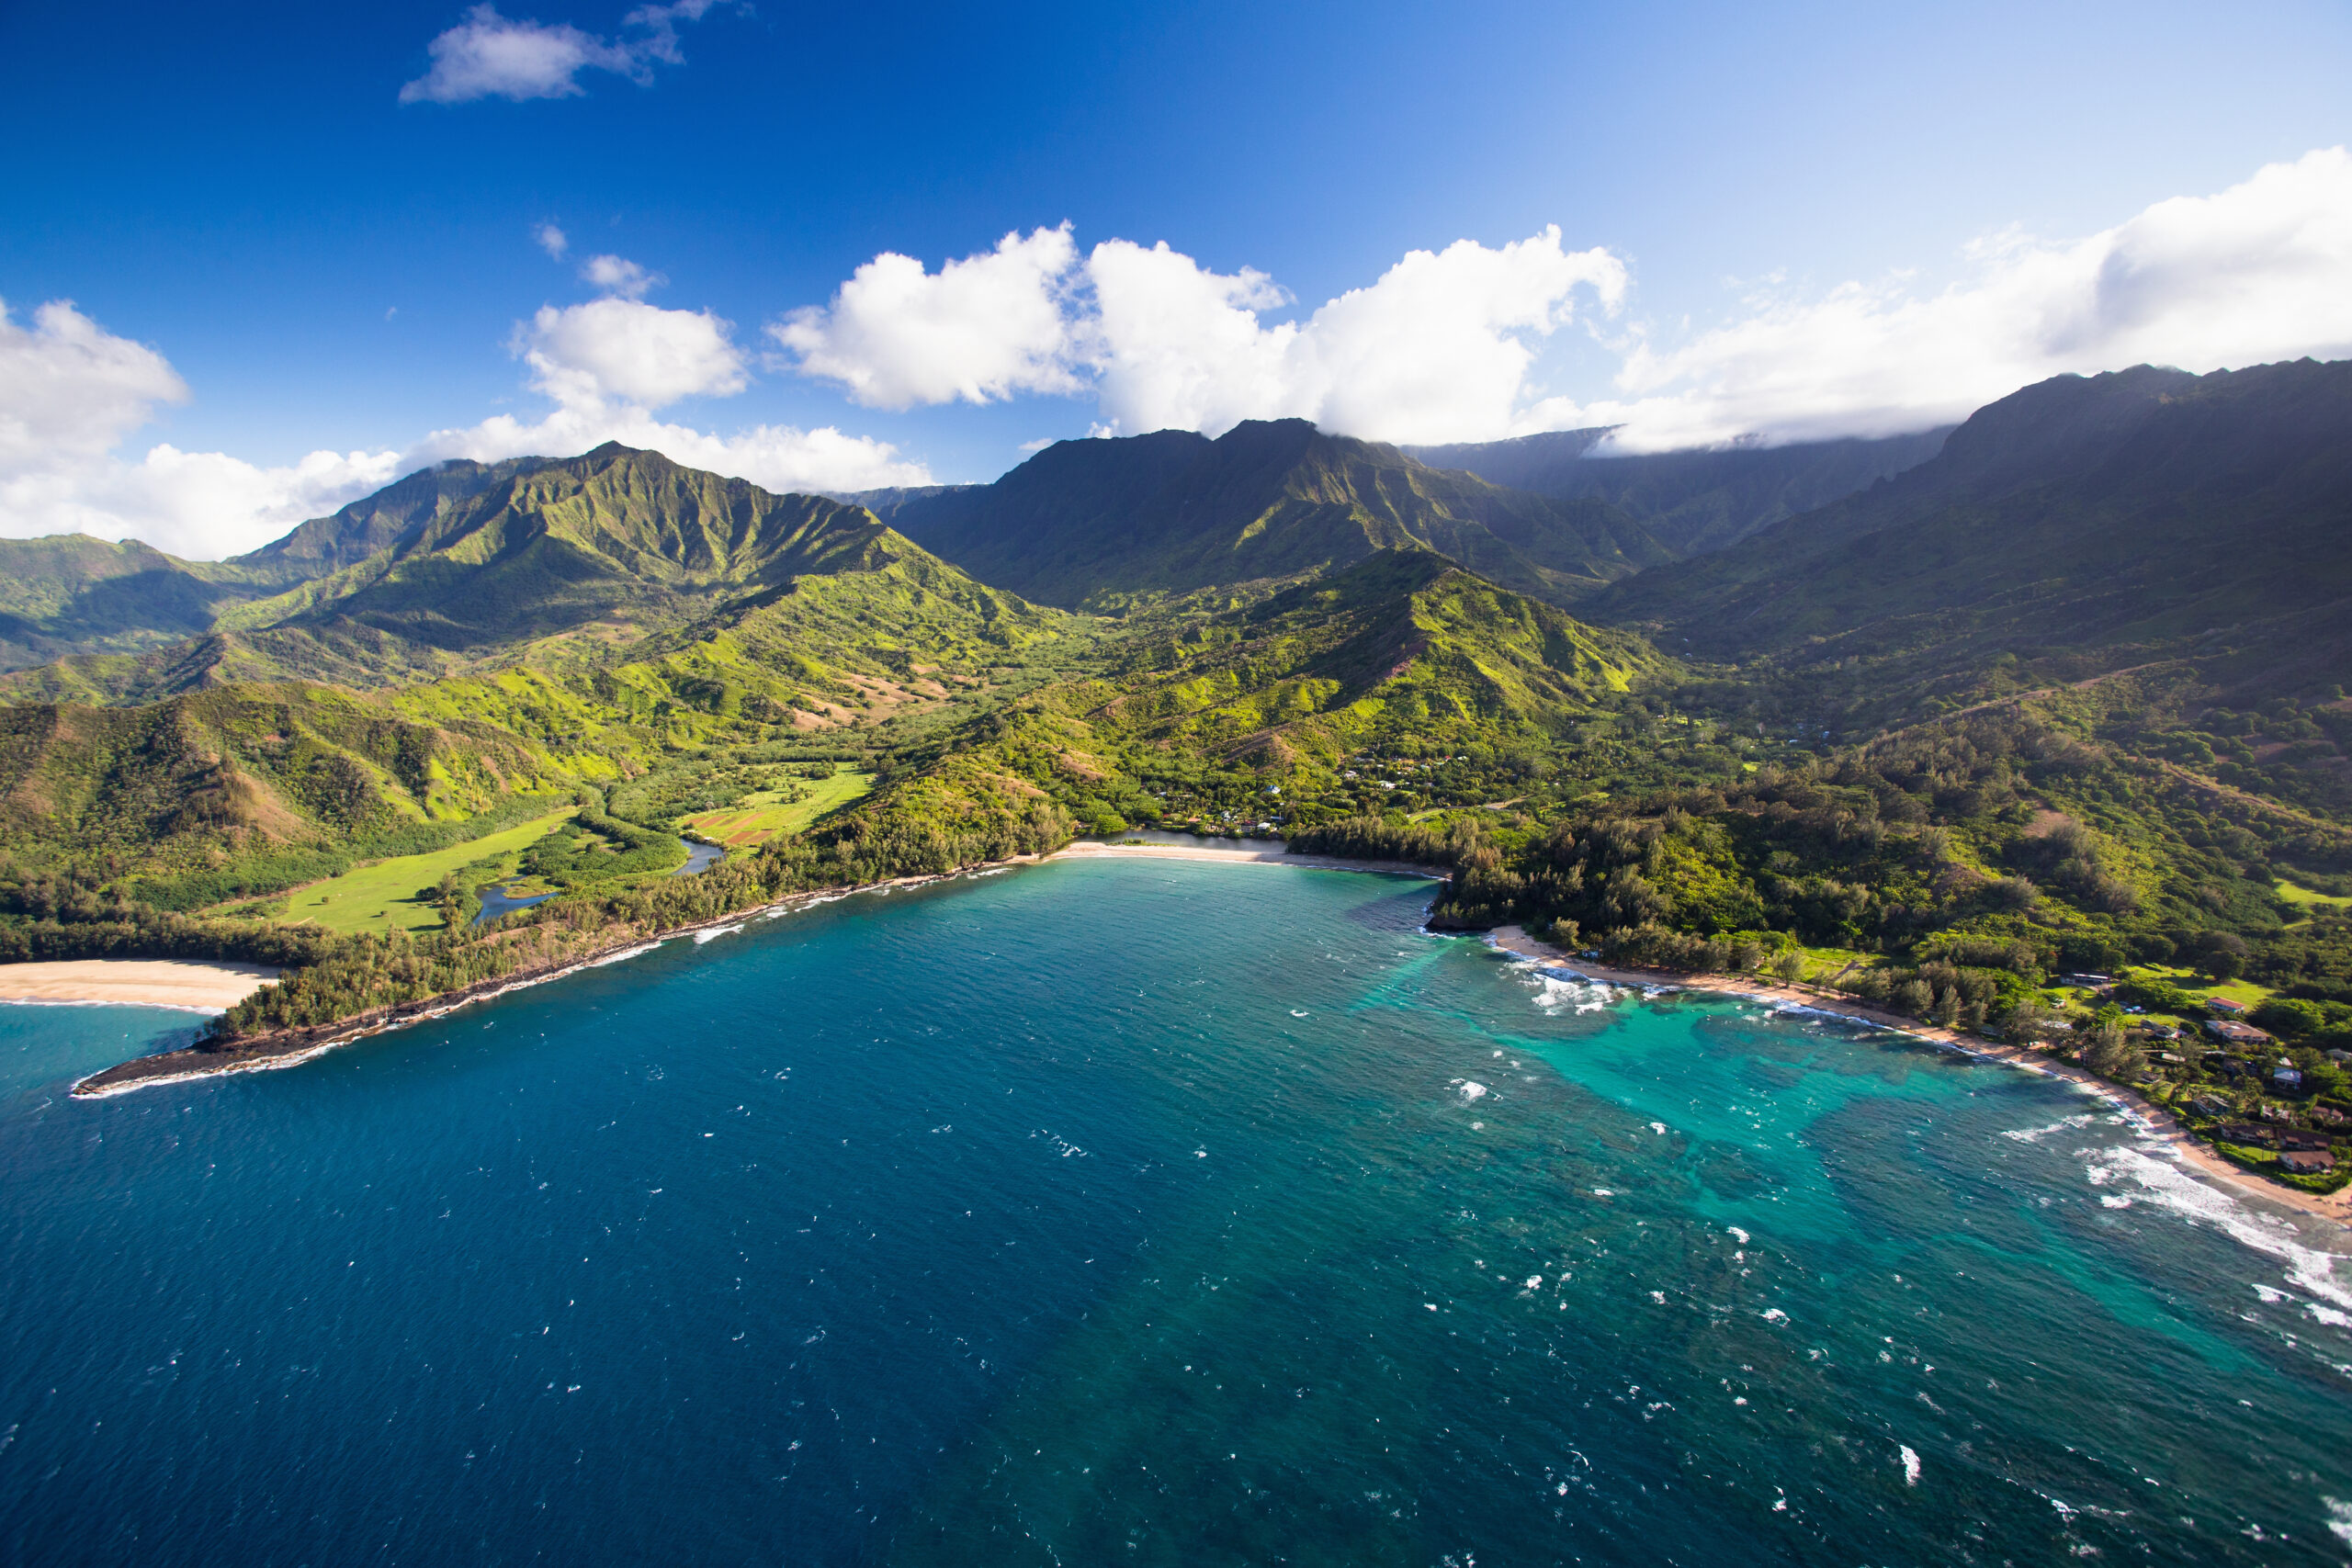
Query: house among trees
x=2228, y=1006
x=2306, y=1162
x=2244, y=1036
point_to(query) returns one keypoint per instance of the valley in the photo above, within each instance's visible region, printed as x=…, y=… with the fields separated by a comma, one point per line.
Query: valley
x=1935, y=720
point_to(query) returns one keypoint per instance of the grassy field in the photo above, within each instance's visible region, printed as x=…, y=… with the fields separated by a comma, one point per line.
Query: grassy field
x=380, y=897
x=2311, y=900
x=756, y=818
x=2246, y=991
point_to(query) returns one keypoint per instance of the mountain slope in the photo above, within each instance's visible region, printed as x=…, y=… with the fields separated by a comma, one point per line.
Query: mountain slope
x=2118, y=519
x=1099, y=521
x=325, y=545
x=1264, y=710
x=197, y=785
x=71, y=593
x=1695, y=501
x=575, y=563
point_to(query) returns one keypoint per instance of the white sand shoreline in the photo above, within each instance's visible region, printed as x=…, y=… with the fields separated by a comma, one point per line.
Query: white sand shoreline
x=1088, y=849
x=2160, y=1124
x=182, y=985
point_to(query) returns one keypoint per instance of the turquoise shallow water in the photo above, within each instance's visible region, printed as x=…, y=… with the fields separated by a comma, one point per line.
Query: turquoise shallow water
x=1127, y=1212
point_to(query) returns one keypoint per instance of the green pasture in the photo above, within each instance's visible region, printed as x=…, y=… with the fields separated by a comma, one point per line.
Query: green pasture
x=756, y=818
x=381, y=896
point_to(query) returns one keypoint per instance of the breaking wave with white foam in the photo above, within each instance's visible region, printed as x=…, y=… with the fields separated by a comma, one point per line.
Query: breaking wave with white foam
x=2165, y=1185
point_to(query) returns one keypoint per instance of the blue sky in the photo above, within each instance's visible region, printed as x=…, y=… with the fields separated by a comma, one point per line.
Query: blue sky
x=244, y=192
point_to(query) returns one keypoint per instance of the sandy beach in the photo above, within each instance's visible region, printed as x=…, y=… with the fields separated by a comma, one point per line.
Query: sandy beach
x=214, y=988
x=2184, y=1147
x=143, y=982
x=1085, y=849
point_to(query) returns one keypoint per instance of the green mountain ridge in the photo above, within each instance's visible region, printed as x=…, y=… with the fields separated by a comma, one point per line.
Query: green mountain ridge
x=614, y=556
x=2079, y=526
x=1099, y=522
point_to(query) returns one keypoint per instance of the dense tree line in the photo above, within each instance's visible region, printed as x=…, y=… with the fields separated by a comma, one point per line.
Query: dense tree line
x=362, y=975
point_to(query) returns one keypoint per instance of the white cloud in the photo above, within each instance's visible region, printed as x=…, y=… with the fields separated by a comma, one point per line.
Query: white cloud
x=1444, y=346
x=2260, y=272
x=609, y=365
x=980, y=328
x=776, y=457
x=491, y=56
x=1438, y=348
x=71, y=393
x=70, y=390
x=616, y=275
x=552, y=240
x=624, y=351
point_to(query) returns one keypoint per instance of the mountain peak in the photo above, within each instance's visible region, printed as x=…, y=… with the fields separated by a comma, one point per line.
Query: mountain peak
x=1173, y=511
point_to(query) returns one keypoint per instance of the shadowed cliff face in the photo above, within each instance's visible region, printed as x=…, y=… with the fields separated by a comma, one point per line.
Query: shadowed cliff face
x=1695, y=501
x=2147, y=515
x=1100, y=520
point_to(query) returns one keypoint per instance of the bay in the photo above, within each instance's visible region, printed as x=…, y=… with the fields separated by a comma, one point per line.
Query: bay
x=1135, y=1212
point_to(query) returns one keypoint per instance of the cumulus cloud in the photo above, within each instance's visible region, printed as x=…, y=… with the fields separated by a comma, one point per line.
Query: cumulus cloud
x=616, y=275
x=625, y=351
x=491, y=56
x=1445, y=345
x=1438, y=348
x=610, y=364
x=980, y=328
x=552, y=240
x=2260, y=272
x=71, y=394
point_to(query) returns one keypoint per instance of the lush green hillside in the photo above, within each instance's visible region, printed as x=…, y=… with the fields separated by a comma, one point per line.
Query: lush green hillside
x=206, y=798
x=2077, y=526
x=615, y=558
x=1695, y=501
x=327, y=544
x=71, y=593
x=1101, y=522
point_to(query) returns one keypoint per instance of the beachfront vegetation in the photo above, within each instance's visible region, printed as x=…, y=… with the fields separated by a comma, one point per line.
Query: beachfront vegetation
x=1877, y=770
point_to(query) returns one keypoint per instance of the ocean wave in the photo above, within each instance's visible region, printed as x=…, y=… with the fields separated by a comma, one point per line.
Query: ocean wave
x=2164, y=1184
x=714, y=932
x=625, y=955
x=2035, y=1134
x=1561, y=990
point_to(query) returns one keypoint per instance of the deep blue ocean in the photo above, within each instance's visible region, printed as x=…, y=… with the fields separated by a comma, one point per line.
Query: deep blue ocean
x=1124, y=1212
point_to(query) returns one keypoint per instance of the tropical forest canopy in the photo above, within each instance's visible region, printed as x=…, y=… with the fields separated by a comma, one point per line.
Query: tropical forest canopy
x=2060, y=689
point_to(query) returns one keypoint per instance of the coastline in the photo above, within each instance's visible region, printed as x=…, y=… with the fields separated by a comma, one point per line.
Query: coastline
x=288, y=1048
x=292, y=1047
x=1089, y=849
x=184, y=984
x=2165, y=1128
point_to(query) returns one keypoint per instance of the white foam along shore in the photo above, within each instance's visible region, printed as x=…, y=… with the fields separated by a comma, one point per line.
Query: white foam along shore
x=2161, y=1126
x=311, y=1049
x=248, y=976
x=180, y=983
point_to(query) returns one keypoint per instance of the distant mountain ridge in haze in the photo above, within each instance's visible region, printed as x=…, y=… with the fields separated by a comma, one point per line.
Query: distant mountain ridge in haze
x=1094, y=521
x=1697, y=500
x=2145, y=513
